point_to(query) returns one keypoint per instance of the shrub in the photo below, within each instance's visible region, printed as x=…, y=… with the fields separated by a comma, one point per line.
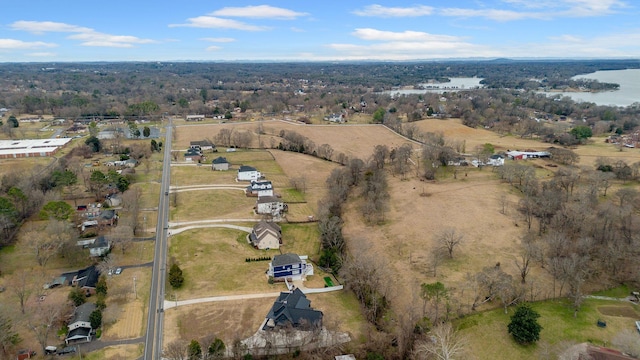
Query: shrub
x=176, y=278
x=524, y=325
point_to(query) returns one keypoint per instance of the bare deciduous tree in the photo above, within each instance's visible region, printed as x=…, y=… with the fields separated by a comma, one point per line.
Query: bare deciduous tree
x=176, y=350
x=43, y=321
x=443, y=343
x=299, y=183
x=380, y=155
x=131, y=201
x=366, y=276
x=449, y=239
x=122, y=237
x=436, y=257
x=527, y=254
x=22, y=288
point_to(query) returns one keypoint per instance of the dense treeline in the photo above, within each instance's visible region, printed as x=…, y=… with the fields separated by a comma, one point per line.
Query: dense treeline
x=110, y=90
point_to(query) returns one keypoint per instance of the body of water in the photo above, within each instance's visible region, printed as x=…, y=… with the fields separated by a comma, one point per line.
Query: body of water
x=456, y=84
x=627, y=94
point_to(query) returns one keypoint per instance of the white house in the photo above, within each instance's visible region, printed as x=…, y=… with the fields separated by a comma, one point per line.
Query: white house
x=248, y=173
x=260, y=188
x=99, y=247
x=202, y=145
x=194, y=118
x=270, y=205
x=80, y=326
x=496, y=160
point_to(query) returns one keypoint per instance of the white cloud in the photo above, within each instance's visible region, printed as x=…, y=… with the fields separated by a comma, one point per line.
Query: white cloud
x=260, y=11
x=12, y=44
x=214, y=48
x=219, y=40
x=211, y=22
x=408, y=45
x=614, y=45
x=493, y=14
x=41, y=27
x=582, y=8
x=42, y=54
x=87, y=36
x=544, y=10
x=567, y=38
x=382, y=11
x=96, y=39
x=379, y=35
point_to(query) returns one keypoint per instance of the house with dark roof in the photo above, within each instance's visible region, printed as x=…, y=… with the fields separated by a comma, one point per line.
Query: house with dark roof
x=86, y=279
x=108, y=217
x=266, y=235
x=293, y=309
x=220, y=163
x=259, y=188
x=202, y=145
x=193, y=155
x=248, y=173
x=80, y=329
x=270, y=205
x=100, y=246
x=289, y=266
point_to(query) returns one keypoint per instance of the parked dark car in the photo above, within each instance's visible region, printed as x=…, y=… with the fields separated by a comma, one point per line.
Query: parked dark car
x=67, y=350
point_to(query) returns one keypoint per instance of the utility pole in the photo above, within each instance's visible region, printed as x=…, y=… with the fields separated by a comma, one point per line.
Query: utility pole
x=134, y=288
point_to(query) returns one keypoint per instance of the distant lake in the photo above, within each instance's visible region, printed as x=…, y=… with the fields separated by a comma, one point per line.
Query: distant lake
x=456, y=84
x=628, y=93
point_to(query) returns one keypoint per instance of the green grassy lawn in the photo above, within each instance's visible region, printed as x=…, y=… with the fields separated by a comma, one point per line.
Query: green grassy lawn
x=213, y=259
x=213, y=263
x=212, y=204
x=291, y=195
x=201, y=175
x=617, y=292
x=341, y=312
x=488, y=337
x=150, y=194
x=303, y=239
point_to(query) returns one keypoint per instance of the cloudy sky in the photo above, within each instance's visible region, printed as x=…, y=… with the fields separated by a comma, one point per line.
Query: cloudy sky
x=160, y=30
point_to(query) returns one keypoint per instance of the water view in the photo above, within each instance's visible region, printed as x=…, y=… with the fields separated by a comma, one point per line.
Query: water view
x=628, y=93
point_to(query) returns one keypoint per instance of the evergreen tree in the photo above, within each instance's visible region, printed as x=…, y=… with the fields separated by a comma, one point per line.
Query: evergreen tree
x=524, y=325
x=216, y=349
x=8, y=335
x=194, y=350
x=95, y=318
x=77, y=296
x=175, y=276
x=101, y=286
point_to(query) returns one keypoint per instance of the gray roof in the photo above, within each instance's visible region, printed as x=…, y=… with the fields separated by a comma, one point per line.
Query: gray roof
x=201, y=143
x=293, y=308
x=88, y=277
x=246, y=168
x=83, y=312
x=268, y=199
x=220, y=160
x=100, y=242
x=286, y=259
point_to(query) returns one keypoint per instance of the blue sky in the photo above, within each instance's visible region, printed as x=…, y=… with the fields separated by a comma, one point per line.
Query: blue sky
x=160, y=30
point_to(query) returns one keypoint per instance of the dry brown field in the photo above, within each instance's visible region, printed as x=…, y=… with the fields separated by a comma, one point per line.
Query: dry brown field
x=352, y=140
x=239, y=319
x=470, y=203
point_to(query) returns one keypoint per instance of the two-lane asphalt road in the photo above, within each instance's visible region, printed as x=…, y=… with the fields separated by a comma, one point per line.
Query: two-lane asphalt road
x=155, y=320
